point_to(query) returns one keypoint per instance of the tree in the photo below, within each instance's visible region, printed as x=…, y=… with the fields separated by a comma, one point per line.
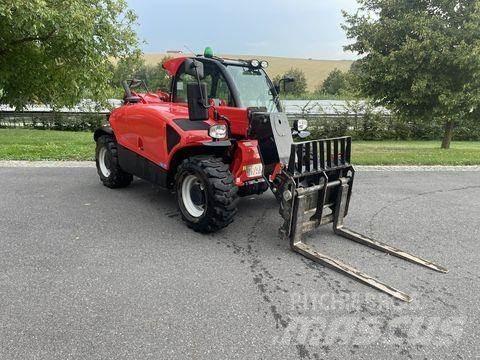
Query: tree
x=421, y=58
x=334, y=84
x=125, y=69
x=59, y=52
x=155, y=76
x=298, y=87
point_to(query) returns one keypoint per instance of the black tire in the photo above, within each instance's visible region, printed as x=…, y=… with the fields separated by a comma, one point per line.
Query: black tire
x=219, y=196
x=113, y=176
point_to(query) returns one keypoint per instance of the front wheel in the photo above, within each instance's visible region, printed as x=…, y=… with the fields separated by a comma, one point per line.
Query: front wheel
x=108, y=168
x=206, y=193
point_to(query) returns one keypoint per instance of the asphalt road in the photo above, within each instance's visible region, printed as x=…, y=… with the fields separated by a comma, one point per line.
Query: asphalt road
x=92, y=273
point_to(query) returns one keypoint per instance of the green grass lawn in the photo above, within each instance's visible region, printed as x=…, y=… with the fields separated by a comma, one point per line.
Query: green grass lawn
x=20, y=144
x=415, y=153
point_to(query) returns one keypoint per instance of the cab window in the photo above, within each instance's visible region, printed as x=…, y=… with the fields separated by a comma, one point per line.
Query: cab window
x=218, y=91
x=180, y=86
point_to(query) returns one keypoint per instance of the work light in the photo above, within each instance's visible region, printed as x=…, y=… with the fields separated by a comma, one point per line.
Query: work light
x=218, y=131
x=264, y=64
x=255, y=63
x=301, y=124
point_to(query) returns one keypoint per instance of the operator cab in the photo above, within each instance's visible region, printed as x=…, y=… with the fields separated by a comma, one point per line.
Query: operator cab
x=229, y=83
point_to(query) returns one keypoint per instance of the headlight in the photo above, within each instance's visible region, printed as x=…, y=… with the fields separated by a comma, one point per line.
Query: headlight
x=301, y=125
x=255, y=63
x=218, y=131
x=264, y=64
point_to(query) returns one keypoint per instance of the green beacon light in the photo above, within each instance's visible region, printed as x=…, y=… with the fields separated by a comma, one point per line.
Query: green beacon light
x=208, y=52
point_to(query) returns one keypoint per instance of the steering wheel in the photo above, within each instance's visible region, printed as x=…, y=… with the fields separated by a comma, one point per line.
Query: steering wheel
x=135, y=83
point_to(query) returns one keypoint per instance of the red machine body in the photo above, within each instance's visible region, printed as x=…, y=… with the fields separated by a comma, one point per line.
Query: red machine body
x=159, y=130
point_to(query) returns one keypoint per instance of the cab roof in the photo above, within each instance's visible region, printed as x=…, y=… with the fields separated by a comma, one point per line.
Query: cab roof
x=172, y=65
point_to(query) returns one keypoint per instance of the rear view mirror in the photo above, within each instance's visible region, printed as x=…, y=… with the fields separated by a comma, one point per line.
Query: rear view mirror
x=194, y=68
x=197, y=111
x=285, y=80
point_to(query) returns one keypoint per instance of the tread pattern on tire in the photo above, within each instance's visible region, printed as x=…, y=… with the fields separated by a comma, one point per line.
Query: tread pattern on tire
x=118, y=178
x=221, y=189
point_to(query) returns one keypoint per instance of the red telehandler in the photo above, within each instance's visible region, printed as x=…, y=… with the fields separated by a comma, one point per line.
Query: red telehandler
x=220, y=134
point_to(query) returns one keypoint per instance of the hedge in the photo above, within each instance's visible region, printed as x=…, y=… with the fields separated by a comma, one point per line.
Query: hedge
x=53, y=121
x=381, y=127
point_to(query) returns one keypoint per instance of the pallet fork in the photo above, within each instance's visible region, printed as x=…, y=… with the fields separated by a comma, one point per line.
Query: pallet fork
x=317, y=189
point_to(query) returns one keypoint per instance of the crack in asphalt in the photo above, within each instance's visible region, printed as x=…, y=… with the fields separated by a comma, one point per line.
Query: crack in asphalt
x=265, y=282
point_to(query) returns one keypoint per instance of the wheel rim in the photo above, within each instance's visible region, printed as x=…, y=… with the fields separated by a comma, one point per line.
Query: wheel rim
x=104, y=162
x=193, y=196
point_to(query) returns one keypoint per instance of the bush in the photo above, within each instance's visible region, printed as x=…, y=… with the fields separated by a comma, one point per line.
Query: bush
x=335, y=82
x=298, y=87
x=363, y=122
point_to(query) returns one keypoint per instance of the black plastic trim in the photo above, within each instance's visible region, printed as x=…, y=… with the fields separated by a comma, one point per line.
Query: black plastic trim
x=225, y=143
x=173, y=138
x=186, y=124
x=137, y=165
x=104, y=130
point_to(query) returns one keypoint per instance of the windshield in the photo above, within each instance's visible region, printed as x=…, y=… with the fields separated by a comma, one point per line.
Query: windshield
x=254, y=87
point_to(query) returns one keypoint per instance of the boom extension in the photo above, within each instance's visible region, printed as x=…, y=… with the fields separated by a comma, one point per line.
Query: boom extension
x=317, y=190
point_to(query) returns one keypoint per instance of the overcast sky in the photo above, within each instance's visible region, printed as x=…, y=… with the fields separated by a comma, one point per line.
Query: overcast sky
x=291, y=28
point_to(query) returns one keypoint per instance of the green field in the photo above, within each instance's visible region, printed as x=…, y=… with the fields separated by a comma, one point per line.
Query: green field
x=19, y=144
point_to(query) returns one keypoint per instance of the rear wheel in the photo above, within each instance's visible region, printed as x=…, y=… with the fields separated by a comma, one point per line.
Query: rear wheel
x=108, y=168
x=206, y=193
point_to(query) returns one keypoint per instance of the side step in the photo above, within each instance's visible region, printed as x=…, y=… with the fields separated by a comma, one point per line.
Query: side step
x=305, y=208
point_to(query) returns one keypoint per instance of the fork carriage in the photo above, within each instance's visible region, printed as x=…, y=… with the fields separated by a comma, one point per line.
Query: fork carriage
x=317, y=191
